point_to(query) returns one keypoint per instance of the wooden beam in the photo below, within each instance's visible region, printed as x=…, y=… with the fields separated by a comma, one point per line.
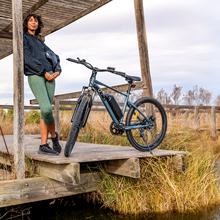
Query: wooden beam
x=5, y=35
x=5, y=18
x=128, y=167
x=65, y=173
x=143, y=49
x=16, y=192
x=18, y=69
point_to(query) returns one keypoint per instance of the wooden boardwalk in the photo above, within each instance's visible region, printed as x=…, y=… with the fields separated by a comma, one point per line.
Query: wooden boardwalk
x=59, y=176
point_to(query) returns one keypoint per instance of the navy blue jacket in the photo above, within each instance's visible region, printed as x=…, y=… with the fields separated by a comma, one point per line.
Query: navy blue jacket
x=35, y=60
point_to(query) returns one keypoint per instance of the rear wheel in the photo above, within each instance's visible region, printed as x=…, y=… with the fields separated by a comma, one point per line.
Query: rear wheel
x=154, y=120
x=77, y=123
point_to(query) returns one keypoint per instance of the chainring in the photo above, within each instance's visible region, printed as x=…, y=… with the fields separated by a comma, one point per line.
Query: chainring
x=115, y=129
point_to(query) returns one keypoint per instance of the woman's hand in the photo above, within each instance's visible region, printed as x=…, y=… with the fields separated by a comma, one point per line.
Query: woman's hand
x=52, y=76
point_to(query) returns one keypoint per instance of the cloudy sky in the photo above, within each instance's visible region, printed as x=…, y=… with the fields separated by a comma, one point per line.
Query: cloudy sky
x=183, y=41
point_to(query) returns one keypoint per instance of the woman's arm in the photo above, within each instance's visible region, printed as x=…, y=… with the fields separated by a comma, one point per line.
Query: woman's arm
x=57, y=67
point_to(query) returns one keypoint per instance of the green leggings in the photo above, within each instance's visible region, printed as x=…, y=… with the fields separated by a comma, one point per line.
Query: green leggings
x=43, y=91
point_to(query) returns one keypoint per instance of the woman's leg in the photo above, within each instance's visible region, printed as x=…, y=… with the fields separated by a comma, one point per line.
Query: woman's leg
x=43, y=131
x=39, y=89
x=50, y=86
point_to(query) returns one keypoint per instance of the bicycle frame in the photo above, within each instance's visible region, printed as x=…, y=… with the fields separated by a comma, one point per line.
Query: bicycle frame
x=95, y=85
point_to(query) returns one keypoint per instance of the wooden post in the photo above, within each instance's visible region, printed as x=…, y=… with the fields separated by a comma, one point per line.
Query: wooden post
x=18, y=69
x=56, y=113
x=196, y=117
x=143, y=49
x=213, y=123
x=66, y=173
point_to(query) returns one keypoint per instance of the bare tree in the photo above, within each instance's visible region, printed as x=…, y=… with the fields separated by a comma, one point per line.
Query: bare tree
x=189, y=97
x=217, y=101
x=176, y=94
x=163, y=97
x=204, y=96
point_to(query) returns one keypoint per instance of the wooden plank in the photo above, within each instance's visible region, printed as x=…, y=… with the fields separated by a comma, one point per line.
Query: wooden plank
x=16, y=192
x=66, y=173
x=18, y=69
x=143, y=49
x=4, y=34
x=86, y=152
x=27, y=107
x=128, y=167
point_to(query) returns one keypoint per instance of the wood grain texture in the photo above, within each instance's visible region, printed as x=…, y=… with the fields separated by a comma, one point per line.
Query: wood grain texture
x=128, y=167
x=85, y=152
x=65, y=173
x=18, y=70
x=143, y=48
x=16, y=192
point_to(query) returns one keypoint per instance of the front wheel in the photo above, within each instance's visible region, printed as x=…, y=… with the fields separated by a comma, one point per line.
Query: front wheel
x=79, y=119
x=148, y=123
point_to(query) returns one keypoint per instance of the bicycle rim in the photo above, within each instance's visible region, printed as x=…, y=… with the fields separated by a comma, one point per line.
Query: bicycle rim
x=155, y=122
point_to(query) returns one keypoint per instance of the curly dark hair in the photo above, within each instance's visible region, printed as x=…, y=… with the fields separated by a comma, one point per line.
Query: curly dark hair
x=40, y=23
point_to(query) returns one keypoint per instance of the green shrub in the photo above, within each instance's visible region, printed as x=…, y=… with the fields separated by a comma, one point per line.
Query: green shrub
x=32, y=117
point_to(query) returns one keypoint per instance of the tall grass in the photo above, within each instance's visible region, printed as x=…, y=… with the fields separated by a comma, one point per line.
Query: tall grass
x=161, y=188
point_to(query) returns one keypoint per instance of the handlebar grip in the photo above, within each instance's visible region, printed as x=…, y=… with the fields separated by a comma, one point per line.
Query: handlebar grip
x=72, y=60
x=111, y=68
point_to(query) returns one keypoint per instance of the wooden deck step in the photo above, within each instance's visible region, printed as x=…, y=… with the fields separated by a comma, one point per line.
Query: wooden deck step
x=85, y=152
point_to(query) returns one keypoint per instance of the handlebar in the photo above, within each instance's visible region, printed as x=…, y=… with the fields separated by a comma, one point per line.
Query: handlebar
x=89, y=66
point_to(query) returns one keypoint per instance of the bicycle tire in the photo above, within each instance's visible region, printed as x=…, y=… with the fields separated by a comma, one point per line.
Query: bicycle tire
x=163, y=122
x=76, y=125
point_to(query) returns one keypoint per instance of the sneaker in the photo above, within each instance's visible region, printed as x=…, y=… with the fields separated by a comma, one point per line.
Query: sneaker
x=56, y=144
x=46, y=149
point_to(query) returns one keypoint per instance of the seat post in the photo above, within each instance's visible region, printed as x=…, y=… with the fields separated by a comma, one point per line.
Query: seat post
x=129, y=87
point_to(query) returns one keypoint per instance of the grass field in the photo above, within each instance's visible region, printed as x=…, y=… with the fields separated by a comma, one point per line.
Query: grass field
x=161, y=188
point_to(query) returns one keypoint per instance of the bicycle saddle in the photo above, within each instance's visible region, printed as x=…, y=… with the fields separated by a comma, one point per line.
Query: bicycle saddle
x=133, y=78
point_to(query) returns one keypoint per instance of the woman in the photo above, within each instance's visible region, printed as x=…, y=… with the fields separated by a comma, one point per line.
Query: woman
x=42, y=67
